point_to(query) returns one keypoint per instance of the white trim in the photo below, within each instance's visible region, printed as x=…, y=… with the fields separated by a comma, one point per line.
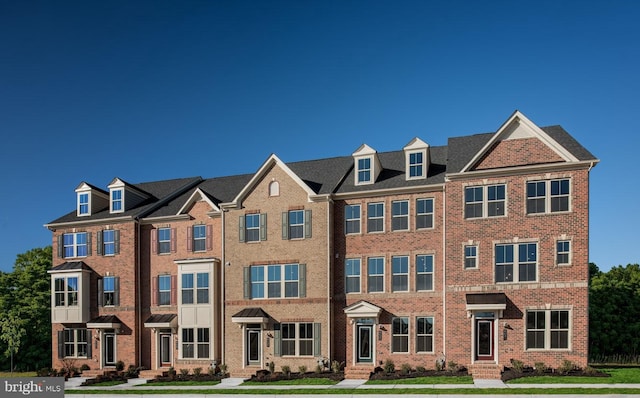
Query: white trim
x=193, y=199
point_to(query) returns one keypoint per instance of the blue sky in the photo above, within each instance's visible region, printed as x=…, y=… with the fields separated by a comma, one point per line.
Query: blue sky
x=152, y=90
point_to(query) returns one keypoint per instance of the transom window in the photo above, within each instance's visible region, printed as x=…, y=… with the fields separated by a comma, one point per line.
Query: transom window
x=66, y=291
x=484, y=201
x=364, y=170
x=116, y=200
x=200, y=290
x=83, y=204
x=548, y=329
x=199, y=238
x=375, y=268
x=75, y=245
x=400, y=277
x=279, y=278
x=352, y=219
x=424, y=334
x=400, y=334
x=470, y=256
x=75, y=343
x=195, y=343
x=424, y=213
x=416, y=165
x=352, y=275
x=375, y=217
x=424, y=272
x=516, y=268
x=400, y=215
x=549, y=196
x=297, y=339
x=563, y=252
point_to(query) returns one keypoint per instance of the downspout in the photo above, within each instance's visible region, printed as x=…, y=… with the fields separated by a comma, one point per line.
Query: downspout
x=138, y=293
x=329, y=280
x=222, y=291
x=444, y=272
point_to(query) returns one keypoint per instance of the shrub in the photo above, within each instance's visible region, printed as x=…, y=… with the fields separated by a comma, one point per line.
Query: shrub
x=518, y=365
x=566, y=366
x=184, y=372
x=389, y=366
x=302, y=369
x=405, y=369
x=197, y=372
x=591, y=371
x=336, y=366
x=540, y=367
x=119, y=366
x=453, y=366
x=223, y=368
x=84, y=367
x=211, y=371
x=132, y=372
x=319, y=368
x=286, y=370
x=420, y=369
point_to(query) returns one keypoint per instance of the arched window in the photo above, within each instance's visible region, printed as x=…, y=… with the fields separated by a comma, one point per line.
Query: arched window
x=274, y=188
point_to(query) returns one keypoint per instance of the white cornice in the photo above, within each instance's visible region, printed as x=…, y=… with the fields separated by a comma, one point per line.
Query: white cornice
x=390, y=191
x=54, y=226
x=192, y=199
x=176, y=217
x=509, y=171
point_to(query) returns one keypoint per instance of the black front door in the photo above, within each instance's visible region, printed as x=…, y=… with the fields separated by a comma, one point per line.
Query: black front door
x=364, y=343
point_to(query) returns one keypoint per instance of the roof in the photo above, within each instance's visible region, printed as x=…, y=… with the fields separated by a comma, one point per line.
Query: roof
x=161, y=318
x=251, y=312
x=71, y=266
x=486, y=298
x=105, y=319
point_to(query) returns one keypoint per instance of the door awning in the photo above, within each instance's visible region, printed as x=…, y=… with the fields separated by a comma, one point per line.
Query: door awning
x=105, y=322
x=251, y=315
x=362, y=309
x=486, y=302
x=162, y=321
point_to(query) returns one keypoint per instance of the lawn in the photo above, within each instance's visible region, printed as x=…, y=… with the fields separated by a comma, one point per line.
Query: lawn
x=182, y=383
x=316, y=381
x=627, y=375
x=427, y=380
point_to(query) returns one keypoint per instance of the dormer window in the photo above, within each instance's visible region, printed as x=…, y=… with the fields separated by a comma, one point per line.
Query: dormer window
x=364, y=171
x=83, y=204
x=416, y=155
x=116, y=201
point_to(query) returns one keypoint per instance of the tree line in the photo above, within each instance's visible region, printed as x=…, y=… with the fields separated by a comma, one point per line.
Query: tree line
x=25, y=313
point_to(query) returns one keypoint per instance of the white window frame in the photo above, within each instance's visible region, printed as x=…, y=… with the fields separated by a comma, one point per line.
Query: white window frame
x=395, y=274
x=377, y=275
x=297, y=339
x=282, y=282
x=196, y=343
x=359, y=170
x=411, y=165
x=255, y=227
x=400, y=335
x=353, y=275
x=119, y=201
x=355, y=221
x=432, y=273
x=75, y=342
x=425, y=214
x=427, y=335
x=84, y=204
x=473, y=256
x=74, y=246
x=485, y=202
x=516, y=262
x=298, y=225
x=166, y=242
x=564, y=252
x=369, y=217
x=397, y=204
x=166, y=277
x=548, y=196
x=548, y=331
x=66, y=293
x=199, y=239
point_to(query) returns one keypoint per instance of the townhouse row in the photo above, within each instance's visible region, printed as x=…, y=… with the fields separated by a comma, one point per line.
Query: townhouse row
x=475, y=252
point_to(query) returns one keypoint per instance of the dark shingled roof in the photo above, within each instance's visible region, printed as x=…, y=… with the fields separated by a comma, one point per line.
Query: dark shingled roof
x=72, y=266
x=322, y=175
x=566, y=140
x=106, y=319
x=486, y=298
x=252, y=312
x=160, y=318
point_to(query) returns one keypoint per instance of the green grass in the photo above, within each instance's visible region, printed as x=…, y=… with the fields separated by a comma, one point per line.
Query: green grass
x=18, y=374
x=108, y=383
x=318, y=381
x=427, y=380
x=618, y=376
x=181, y=383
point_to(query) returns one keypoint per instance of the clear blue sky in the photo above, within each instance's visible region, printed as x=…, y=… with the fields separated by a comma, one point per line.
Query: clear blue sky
x=152, y=90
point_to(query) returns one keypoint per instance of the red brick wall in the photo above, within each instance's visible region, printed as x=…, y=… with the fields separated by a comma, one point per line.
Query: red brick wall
x=517, y=152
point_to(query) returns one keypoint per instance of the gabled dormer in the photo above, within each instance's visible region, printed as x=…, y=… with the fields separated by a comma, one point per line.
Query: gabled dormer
x=124, y=196
x=416, y=154
x=90, y=199
x=367, y=165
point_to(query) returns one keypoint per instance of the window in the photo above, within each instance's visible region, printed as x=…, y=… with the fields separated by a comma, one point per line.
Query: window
x=109, y=290
x=297, y=339
x=164, y=240
x=200, y=291
x=475, y=205
x=116, y=201
x=75, y=245
x=199, y=238
x=400, y=276
x=76, y=343
x=563, y=252
x=424, y=334
x=287, y=278
x=548, y=196
x=470, y=256
x=352, y=219
x=400, y=335
x=195, y=343
x=352, y=275
x=548, y=329
x=522, y=270
x=252, y=225
x=83, y=204
x=375, y=217
x=424, y=213
x=424, y=272
x=164, y=290
x=108, y=242
x=416, y=165
x=375, y=269
x=66, y=291
x=274, y=188
x=296, y=224
x=364, y=170
x=400, y=215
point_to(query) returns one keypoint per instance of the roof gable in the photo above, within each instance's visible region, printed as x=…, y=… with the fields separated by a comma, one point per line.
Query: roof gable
x=197, y=196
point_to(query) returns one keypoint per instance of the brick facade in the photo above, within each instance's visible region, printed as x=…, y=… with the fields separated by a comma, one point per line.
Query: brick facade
x=481, y=260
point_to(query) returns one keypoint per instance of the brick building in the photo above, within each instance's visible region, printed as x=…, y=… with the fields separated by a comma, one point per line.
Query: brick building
x=475, y=253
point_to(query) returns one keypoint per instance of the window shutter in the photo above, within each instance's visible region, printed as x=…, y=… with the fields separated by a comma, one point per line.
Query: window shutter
x=246, y=273
x=285, y=225
x=241, y=229
x=116, y=238
x=155, y=291
x=263, y=226
x=61, y=246
x=307, y=223
x=174, y=289
x=89, y=344
x=154, y=241
x=174, y=240
x=60, y=344
x=116, y=293
x=317, y=340
x=100, y=295
x=209, y=237
x=99, y=243
x=89, y=234
x=302, y=280
x=277, y=340
x=189, y=238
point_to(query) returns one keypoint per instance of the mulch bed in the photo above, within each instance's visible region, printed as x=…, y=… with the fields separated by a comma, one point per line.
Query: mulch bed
x=380, y=374
x=266, y=376
x=510, y=373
